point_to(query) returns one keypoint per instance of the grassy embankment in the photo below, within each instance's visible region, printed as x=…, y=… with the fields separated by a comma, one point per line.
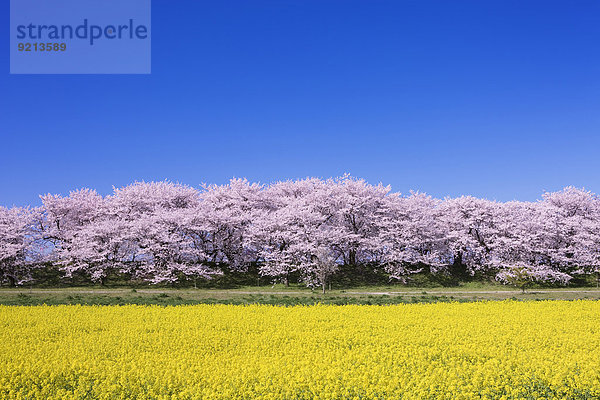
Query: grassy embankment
x=281, y=295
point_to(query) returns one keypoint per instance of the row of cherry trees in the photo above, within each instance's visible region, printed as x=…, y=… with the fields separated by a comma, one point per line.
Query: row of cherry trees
x=164, y=232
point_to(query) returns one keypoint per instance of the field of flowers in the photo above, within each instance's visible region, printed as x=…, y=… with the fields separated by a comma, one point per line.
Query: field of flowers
x=490, y=350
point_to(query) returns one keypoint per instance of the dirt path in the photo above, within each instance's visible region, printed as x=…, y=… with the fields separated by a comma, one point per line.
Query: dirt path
x=417, y=292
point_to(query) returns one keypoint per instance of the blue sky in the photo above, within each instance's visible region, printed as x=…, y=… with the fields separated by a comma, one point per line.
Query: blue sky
x=497, y=99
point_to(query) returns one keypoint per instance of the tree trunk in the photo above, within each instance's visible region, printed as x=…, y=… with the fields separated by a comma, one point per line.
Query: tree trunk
x=352, y=257
x=12, y=281
x=458, y=269
x=323, y=286
x=286, y=280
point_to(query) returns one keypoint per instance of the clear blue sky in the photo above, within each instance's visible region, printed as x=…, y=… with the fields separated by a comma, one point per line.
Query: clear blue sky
x=498, y=99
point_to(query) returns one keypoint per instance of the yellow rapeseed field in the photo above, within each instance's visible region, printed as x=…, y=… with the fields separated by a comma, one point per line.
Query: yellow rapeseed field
x=489, y=350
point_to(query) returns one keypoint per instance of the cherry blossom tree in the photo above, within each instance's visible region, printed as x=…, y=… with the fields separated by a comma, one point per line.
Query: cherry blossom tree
x=410, y=237
x=356, y=209
x=273, y=236
x=297, y=227
x=308, y=228
x=569, y=224
x=17, y=237
x=66, y=229
x=522, y=275
x=225, y=214
x=469, y=225
x=157, y=221
x=322, y=265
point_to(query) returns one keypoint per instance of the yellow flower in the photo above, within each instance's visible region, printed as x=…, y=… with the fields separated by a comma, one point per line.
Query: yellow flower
x=487, y=350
